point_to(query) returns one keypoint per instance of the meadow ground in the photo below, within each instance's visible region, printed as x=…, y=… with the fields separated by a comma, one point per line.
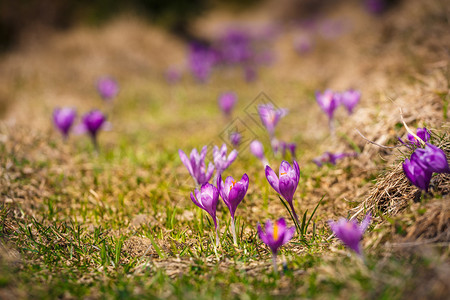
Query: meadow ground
x=119, y=223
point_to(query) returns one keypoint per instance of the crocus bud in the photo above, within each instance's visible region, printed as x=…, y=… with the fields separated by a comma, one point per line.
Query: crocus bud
x=328, y=101
x=63, y=119
x=227, y=101
x=270, y=116
x=257, y=149
x=107, y=88
x=93, y=121
x=349, y=232
x=235, y=139
x=349, y=99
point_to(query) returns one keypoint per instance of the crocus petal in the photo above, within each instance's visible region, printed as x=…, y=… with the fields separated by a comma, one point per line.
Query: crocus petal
x=196, y=202
x=262, y=235
x=432, y=159
x=285, y=168
x=365, y=223
x=186, y=162
x=272, y=178
x=232, y=156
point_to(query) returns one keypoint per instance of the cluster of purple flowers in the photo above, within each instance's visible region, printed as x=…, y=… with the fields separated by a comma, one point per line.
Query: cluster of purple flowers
x=270, y=117
x=235, y=47
x=425, y=161
x=330, y=100
x=331, y=158
x=91, y=122
x=231, y=191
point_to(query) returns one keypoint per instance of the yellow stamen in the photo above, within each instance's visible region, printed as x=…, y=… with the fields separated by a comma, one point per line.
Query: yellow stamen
x=275, y=231
x=233, y=182
x=283, y=173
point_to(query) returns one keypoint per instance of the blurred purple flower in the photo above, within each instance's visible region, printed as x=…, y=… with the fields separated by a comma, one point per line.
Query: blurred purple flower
x=350, y=99
x=196, y=165
x=221, y=161
x=227, y=101
x=207, y=199
x=201, y=61
x=350, y=233
x=173, y=75
x=235, y=139
x=107, y=87
x=328, y=101
x=275, y=235
x=63, y=119
x=287, y=182
x=292, y=147
x=422, y=133
x=91, y=123
x=331, y=158
x=232, y=193
x=235, y=46
x=375, y=6
x=431, y=159
x=270, y=116
x=257, y=149
x=416, y=174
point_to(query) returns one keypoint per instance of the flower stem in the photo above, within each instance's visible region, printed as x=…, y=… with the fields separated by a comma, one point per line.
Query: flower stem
x=274, y=262
x=217, y=233
x=233, y=231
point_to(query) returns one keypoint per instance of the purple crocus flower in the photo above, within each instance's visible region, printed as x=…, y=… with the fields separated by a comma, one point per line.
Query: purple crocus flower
x=91, y=123
x=221, y=161
x=63, y=119
x=287, y=182
x=350, y=233
x=349, y=99
x=232, y=193
x=270, y=116
x=235, y=139
x=422, y=133
x=431, y=159
x=275, y=235
x=201, y=61
x=107, y=88
x=227, y=101
x=417, y=175
x=257, y=149
x=331, y=158
x=328, y=101
x=207, y=199
x=196, y=165
x=286, y=146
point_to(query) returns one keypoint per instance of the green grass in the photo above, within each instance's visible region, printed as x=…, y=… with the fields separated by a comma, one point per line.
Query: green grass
x=72, y=240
